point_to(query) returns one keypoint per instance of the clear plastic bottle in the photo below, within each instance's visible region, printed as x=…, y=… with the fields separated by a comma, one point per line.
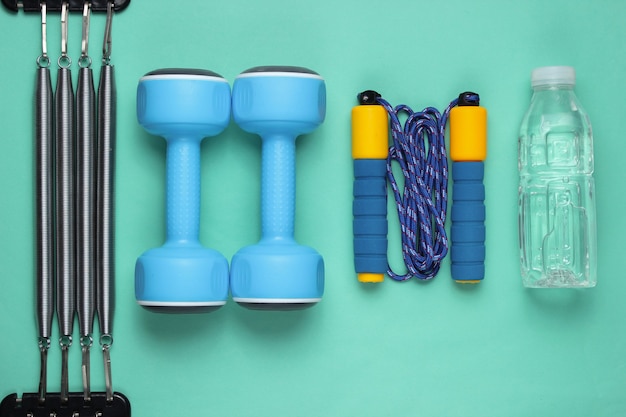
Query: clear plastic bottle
x=557, y=211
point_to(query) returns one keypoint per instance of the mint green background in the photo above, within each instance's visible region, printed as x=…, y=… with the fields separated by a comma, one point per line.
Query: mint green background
x=395, y=349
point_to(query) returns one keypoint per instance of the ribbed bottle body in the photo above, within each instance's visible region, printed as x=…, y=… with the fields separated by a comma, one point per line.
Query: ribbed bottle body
x=557, y=210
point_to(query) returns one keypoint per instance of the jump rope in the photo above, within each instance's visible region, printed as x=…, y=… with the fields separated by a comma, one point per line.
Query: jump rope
x=418, y=147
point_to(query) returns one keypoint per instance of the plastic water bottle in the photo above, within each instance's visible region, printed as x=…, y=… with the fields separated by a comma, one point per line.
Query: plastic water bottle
x=557, y=213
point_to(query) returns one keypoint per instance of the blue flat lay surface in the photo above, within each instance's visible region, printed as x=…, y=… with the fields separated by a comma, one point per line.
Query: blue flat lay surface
x=390, y=349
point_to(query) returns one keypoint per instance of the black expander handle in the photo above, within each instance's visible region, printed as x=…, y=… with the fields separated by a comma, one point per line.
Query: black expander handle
x=55, y=5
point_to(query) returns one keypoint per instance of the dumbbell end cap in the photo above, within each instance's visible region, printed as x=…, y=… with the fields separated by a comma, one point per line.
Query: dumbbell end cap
x=279, y=100
x=183, y=72
x=177, y=102
x=276, y=305
x=280, y=276
x=179, y=308
x=181, y=279
x=261, y=70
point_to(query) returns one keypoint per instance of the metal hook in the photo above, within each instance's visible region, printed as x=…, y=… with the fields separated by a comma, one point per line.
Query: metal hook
x=44, y=345
x=85, y=60
x=106, y=46
x=85, y=343
x=65, y=342
x=43, y=61
x=64, y=60
x=106, y=355
x=64, y=23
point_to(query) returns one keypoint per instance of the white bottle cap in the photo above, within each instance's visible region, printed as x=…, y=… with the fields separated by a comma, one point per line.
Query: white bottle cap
x=560, y=75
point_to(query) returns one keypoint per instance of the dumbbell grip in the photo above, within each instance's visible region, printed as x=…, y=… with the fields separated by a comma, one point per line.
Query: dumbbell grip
x=370, y=216
x=183, y=190
x=278, y=187
x=468, y=222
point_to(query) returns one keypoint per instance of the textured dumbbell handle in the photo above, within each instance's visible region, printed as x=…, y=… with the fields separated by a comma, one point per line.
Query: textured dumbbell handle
x=278, y=187
x=183, y=190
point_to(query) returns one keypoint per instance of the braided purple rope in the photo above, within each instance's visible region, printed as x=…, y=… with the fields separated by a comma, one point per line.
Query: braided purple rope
x=422, y=206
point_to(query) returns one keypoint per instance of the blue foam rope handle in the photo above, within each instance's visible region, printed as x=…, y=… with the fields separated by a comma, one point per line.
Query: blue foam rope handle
x=468, y=222
x=370, y=215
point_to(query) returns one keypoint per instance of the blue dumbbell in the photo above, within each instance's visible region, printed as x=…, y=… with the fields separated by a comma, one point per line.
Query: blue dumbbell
x=183, y=106
x=278, y=103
